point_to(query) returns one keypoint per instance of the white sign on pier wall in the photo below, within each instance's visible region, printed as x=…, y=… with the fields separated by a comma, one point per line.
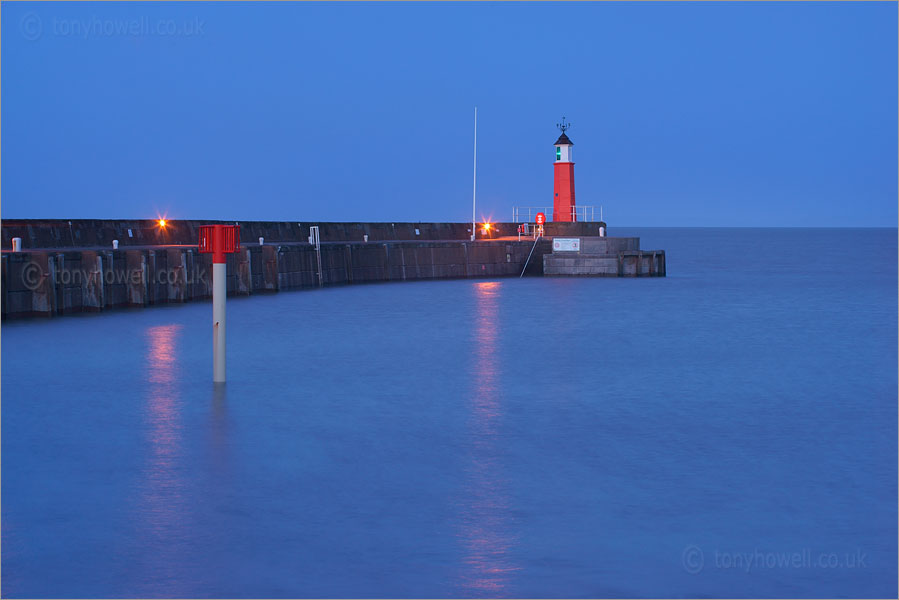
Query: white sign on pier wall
x=566, y=244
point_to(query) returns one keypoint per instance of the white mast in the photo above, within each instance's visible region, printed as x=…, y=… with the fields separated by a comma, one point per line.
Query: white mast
x=474, y=183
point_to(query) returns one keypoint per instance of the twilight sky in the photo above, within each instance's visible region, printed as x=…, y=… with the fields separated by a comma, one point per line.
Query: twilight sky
x=684, y=114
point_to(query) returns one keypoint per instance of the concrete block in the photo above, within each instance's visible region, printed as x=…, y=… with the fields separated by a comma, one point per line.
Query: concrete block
x=270, y=268
x=136, y=282
x=19, y=304
x=92, y=281
x=243, y=272
x=174, y=276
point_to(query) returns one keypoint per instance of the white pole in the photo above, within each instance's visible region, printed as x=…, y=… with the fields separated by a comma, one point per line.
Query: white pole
x=219, y=294
x=474, y=184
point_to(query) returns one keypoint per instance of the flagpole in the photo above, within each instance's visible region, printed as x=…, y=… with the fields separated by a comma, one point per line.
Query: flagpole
x=474, y=183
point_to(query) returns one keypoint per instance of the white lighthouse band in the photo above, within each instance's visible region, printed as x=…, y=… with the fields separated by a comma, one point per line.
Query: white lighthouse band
x=564, y=150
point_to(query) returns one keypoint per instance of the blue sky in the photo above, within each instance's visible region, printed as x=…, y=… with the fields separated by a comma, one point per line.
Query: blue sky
x=704, y=114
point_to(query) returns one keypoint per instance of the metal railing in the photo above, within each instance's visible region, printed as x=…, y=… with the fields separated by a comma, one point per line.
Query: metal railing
x=529, y=230
x=527, y=214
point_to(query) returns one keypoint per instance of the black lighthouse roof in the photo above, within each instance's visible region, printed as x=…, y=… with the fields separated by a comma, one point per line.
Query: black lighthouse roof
x=563, y=139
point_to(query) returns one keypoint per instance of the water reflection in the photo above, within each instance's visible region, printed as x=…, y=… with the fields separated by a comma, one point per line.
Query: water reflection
x=161, y=525
x=486, y=529
x=218, y=430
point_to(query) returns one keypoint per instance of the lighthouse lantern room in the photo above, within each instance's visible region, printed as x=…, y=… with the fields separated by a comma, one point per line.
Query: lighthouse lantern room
x=563, y=178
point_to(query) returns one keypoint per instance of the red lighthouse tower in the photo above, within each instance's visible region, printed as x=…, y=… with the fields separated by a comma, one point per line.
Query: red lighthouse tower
x=563, y=178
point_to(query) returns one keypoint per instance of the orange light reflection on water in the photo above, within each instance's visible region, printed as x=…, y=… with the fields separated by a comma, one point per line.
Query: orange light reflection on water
x=161, y=505
x=486, y=529
x=162, y=412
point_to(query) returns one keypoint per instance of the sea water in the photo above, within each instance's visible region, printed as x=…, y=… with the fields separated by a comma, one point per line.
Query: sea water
x=730, y=430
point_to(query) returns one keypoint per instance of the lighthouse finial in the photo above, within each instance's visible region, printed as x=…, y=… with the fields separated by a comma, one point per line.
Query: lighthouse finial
x=563, y=125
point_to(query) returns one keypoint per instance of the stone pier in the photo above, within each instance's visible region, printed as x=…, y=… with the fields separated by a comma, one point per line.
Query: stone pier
x=603, y=257
x=47, y=283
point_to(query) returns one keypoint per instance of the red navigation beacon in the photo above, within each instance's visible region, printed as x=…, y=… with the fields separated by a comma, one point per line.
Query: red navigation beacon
x=219, y=240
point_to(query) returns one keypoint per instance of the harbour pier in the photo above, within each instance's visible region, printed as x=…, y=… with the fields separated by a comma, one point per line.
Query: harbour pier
x=67, y=267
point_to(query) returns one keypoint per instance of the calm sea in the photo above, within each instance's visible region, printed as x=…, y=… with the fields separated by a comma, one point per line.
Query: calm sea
x=730, y=430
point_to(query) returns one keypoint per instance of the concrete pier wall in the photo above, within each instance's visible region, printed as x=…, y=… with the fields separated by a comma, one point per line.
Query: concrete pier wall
x=91, y=233
x=48, y=283
x=634, y=263
x=605, y=257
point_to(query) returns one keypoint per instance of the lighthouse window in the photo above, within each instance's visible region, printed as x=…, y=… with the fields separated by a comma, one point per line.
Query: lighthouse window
x=558, y=154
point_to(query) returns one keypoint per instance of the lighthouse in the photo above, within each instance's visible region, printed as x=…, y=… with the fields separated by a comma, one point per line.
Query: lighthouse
x=563, y=178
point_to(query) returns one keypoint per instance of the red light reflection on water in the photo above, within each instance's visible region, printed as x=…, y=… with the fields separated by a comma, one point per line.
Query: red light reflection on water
x=486, y=529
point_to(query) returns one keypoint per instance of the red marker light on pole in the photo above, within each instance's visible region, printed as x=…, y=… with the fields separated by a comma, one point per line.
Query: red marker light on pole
x=219, y=240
